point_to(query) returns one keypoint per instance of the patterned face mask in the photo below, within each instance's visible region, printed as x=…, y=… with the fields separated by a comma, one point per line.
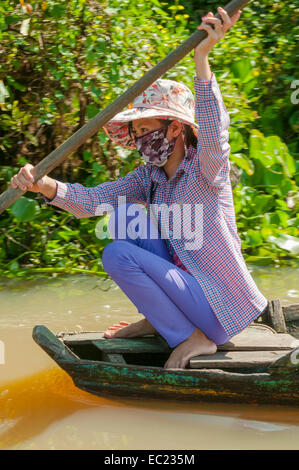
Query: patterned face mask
x=153, y=146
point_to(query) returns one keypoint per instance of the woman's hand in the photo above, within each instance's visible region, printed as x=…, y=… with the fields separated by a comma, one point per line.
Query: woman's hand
x=24, y=180
x=216, y=34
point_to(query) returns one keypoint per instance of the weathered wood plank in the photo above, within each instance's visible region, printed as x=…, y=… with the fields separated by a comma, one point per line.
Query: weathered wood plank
x=84, y=337
x=149, y=344
x=114, y=358
x=276, y=317
x=87, y=336
x=291, y=312
x=254, y=338
x=236, y=359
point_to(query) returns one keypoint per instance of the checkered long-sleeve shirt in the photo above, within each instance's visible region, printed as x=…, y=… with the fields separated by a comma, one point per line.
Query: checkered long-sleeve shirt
x=202, y=184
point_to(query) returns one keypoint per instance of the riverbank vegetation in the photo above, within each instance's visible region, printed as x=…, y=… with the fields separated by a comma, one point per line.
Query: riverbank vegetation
x=62, y=62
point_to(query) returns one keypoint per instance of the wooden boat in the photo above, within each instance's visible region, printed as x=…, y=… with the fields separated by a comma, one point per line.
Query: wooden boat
x=258, y=365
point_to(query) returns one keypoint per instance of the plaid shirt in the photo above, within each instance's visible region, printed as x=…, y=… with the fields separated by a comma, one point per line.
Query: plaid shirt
x=201, y=178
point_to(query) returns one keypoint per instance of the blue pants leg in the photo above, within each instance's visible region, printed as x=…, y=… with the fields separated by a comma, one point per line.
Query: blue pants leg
x=171, y=299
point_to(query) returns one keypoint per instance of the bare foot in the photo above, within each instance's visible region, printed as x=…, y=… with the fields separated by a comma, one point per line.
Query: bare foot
x=130, y=330
x=196, y=344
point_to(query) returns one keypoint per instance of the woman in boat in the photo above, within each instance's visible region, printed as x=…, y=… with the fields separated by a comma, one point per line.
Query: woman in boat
x=196, y=294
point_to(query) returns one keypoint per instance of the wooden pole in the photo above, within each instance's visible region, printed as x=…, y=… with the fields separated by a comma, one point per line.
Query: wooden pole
x=60, y=154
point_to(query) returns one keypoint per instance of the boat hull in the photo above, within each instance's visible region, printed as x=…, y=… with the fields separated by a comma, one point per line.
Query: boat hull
x=101, y=378
x=278, y=386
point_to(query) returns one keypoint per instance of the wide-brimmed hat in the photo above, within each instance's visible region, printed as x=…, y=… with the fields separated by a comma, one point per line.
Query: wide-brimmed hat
x=164, y=99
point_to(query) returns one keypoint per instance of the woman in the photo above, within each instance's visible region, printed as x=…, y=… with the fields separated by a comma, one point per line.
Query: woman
x=195, y=294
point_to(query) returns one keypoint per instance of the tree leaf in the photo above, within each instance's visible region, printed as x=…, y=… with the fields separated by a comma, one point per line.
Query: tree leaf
x=14, y=266
x=15, y=84
x=236, y=140
x=260, y=260
x=286, y=242
x=262, y=203
x=258, y=151
x=25, y=209
x=254, y=238
x=277, y=148
x=242, y=69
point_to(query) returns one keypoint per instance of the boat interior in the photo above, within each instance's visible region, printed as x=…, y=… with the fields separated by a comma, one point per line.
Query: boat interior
x=252, y=351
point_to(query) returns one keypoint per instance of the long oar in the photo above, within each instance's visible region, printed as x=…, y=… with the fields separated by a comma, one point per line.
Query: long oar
x=93, y=125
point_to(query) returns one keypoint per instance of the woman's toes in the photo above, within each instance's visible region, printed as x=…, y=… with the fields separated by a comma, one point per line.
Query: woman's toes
x=113, y=330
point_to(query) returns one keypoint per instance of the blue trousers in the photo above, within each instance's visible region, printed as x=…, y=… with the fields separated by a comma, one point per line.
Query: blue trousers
x=171, y=299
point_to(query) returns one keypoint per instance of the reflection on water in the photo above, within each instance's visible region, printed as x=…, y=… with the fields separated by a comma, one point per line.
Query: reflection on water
x=40, y=408
x=30, y=405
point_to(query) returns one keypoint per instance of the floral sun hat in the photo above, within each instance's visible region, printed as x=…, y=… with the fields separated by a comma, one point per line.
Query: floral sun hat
x=164, y=99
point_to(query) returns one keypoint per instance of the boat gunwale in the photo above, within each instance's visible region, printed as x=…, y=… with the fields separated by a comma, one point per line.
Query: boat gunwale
x=188, y=372
x=68, y=364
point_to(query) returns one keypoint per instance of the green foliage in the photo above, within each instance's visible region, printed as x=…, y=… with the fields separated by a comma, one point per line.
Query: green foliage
x=25, y=209
x=62, y=62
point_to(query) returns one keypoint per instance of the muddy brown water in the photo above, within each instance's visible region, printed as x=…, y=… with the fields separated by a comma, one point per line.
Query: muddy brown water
x=40, y=408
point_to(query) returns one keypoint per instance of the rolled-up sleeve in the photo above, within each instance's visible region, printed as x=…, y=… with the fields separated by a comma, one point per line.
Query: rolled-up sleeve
x=82, y=201
x=212, y=117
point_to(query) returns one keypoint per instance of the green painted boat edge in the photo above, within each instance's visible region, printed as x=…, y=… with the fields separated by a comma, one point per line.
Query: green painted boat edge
x=104, y=378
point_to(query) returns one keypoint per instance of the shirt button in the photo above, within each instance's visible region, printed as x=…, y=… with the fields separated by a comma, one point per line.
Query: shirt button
x=170, y=233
